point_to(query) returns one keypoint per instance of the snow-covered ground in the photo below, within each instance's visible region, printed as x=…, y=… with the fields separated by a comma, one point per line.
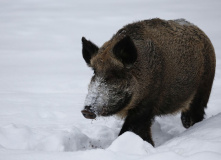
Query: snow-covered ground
x=43, y=82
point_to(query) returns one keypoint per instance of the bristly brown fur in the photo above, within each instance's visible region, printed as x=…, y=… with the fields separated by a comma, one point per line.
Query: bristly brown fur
x=173, y=71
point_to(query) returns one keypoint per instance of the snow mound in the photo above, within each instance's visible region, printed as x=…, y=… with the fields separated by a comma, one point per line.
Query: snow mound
x=65, y=141
x=202, y=137
x=130, y=143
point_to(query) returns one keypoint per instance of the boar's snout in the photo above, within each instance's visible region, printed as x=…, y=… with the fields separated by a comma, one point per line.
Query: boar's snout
x=87, y=113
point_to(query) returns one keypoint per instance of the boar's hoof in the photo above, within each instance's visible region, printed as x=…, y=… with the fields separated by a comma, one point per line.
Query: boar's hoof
x=186, y=119
x=88, y=114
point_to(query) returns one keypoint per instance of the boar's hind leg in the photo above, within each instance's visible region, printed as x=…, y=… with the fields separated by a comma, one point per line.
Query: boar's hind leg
x=196, y=112
x=140, y=124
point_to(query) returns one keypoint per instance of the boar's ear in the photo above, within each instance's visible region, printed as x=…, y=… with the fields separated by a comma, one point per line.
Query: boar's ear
x=126, y=51
x=89, y=49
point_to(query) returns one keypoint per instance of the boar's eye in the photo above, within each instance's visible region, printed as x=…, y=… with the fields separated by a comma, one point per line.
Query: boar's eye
x=95, y=72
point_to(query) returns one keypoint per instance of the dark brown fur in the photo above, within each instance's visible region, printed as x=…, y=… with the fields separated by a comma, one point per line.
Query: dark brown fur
x=173, y=71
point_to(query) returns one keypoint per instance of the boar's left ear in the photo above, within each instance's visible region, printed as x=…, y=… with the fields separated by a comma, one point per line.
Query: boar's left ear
x=89, y=49
x=126, y=51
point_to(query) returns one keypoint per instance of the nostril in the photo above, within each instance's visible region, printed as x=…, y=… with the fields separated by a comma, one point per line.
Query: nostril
x=88, y=114
x=87, y=108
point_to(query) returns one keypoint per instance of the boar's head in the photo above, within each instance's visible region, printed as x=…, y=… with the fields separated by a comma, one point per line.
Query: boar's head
x=110, y=89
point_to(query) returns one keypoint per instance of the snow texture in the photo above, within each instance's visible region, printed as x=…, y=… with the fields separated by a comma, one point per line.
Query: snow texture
x=44, y=82
x=98, y=95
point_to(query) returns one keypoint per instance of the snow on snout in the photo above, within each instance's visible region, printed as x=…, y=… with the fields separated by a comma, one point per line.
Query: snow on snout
x=98, y=95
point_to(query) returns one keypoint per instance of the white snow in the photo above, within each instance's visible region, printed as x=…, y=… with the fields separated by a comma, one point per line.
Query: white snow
x=44, y=82
x=98, y=94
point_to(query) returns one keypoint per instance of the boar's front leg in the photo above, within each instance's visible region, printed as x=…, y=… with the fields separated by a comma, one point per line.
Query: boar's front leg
x=139, y=121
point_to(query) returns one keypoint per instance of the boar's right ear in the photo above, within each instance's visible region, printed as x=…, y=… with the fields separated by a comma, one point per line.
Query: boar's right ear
x=89, y=49
x=125, y=51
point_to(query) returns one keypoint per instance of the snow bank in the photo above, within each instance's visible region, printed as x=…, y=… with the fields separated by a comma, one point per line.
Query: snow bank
x=202, y=137
x=202, y=141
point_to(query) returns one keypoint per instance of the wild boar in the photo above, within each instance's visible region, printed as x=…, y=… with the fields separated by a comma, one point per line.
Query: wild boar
x=150, y=68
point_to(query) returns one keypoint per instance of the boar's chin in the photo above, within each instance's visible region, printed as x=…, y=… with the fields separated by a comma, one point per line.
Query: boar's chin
x=113, y=109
